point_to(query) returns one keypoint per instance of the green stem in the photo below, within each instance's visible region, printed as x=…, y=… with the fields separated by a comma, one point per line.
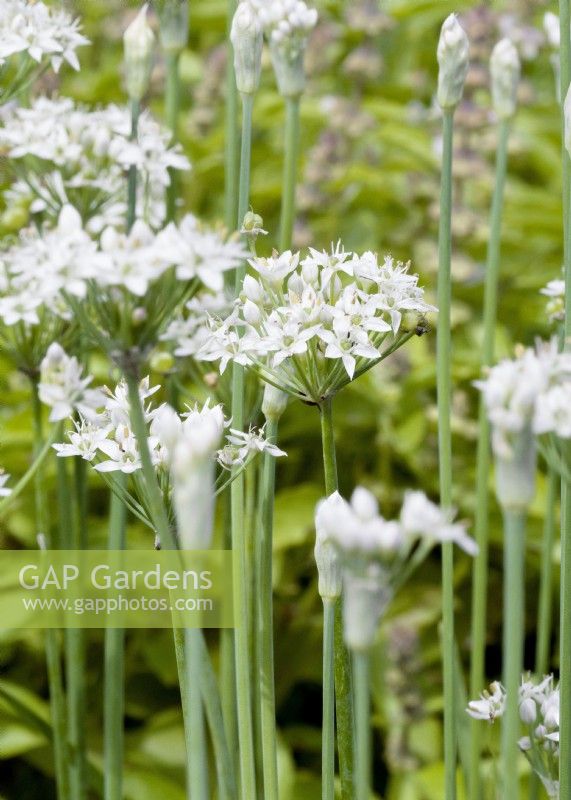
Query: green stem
x=198, y=775
x=172, y=107
x=70, y=538
x=53, y=654
x=265, y=632
x=290, y=172
x=545, y=605
x=362, y=726
x=156, y=506
x=36, y=465
x=240, y=571
x=565, y=597
x=444, y=384
x=114, y=674
x=227, y=657
x=514, y=561
x=328, y=722
x=132, y=177
x=342, y=663
x=480, y=574
x=232, y=145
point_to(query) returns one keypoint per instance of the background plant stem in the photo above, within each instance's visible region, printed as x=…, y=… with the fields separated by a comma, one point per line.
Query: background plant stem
x=232, y=144
x=132, y=176
x=243, y=689
x=342, y=663
x=480, y=569
x=198, y=783
x=512, y=657
x=444, y=384
x=53, y=651
x=362, y=726
x=265, y=626
x=114, y=674
x=172, y=103
x=328, y=721
x=565, y=597
x=291, y=140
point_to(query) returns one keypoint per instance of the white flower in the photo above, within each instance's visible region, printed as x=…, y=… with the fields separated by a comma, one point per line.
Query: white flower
x=552, y=29
x=63, y=388
x=273, y=270
x=242, y=445
x=40, y=32
x=421, y=517
x=84, y=441
x=490, y=706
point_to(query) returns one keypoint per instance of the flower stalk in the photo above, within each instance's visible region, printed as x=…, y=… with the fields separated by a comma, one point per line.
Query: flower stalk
x=291, y=139
x=342, y=664
x=361, y=669
x=480, y=576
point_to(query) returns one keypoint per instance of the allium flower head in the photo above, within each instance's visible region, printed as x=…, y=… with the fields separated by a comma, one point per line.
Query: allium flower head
x=309, y=326
x=374, y=555
x=39, y=32
x=138, y=43
x=490, y=706
x=247, y=37
x=63, y=387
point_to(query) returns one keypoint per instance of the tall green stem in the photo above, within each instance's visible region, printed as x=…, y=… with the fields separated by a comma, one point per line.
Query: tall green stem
x=114, y=675
x=328, y=721
x=362, y=726
x=290, y=172
x=243, y=688
x=172, y=103
x=265, y=628
x=132, y=177
x=480, y=574
x=444, y=384
x=545, y=606
x=53, y=653
x=232, y=144
x=227, y=658
x=156, y=506
x=343, y=681
x=565, y=600
x=514, y=560
x=198, y=773
x=71, y=538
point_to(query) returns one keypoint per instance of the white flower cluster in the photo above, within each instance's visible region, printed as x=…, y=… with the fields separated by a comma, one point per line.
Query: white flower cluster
x=529, y=392
x=190, y=332
x=555, y=292
x=373, y=556
x=285, y=19
x=83, y=157
x=63, y=387
x=539, y=712
x=311, y=325
x=106, y=438
x=42, y=269
x=40, y=32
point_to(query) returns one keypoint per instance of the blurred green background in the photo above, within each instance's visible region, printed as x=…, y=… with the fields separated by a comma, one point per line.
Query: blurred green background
x=369, y=176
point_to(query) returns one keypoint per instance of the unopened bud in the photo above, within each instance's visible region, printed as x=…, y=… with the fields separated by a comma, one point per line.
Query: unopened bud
x=138, y=42
x=162, y=362
x=365, y=599
x=247, y=39
x=452, y=57
x=505, y=70
x=173, y=32
x=274, y=403
x=253, y=225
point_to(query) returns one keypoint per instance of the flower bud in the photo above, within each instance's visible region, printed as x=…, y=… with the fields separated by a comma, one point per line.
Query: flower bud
x=173, y=32
x=253, y=226
x=528, y=711
x=505, y=70
x=252, y=289
x=515, y=473
x=452, y=57
x=365, y=598
x=247, y=39
x=330, y=581
x=138, y=42
x=162, y=362
x=274, y=403
x=251, y=312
